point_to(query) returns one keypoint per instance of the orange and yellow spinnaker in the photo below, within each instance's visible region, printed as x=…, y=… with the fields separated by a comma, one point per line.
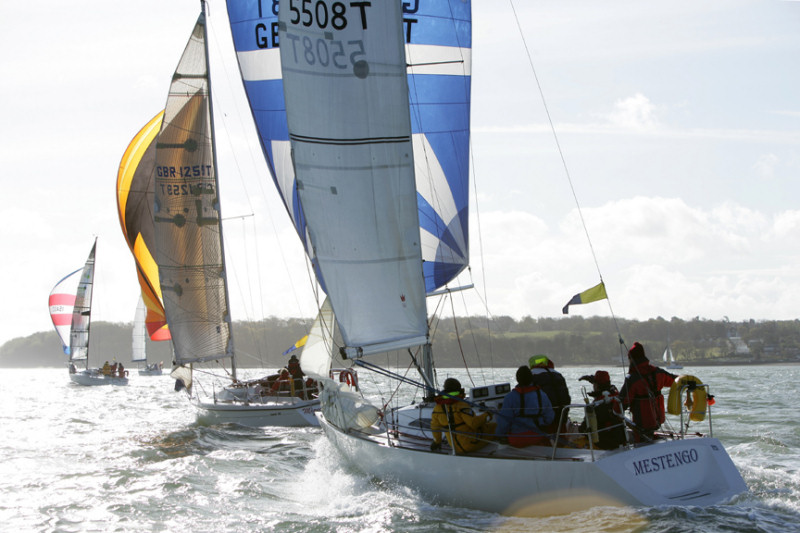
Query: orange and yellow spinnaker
x=135, y=205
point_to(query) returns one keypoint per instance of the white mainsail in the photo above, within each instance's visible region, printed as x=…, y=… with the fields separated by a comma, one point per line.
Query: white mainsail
x=138, y=353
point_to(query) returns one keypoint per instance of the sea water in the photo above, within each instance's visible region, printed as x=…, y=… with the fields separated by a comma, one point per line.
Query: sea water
x=133, y=458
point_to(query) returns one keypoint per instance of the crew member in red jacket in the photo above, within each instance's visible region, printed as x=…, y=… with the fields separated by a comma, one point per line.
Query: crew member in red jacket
x=641, y=393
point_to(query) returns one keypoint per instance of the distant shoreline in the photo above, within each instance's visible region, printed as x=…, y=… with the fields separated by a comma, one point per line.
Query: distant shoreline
x=602, y=365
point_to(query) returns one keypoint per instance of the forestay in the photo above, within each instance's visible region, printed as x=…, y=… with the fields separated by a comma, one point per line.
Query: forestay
x=346, y=94
x=188, y=231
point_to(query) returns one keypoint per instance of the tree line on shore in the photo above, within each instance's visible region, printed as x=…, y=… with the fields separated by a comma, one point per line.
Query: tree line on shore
x=499, y=341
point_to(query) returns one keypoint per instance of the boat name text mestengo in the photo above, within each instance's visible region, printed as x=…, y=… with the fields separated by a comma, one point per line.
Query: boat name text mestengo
x=665, y=462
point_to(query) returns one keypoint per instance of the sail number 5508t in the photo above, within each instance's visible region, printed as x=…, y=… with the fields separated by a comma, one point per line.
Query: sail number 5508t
x=324, y=14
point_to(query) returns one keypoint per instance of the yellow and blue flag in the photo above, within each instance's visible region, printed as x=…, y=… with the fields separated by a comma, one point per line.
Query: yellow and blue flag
x=298, y=344
x=598, y=292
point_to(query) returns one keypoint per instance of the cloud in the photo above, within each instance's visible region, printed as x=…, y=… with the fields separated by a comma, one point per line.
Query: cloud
x=765, y=166
x=658, y=256
x=636, y=113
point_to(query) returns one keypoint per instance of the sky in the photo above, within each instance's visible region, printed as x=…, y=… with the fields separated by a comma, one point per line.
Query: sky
x=675, y=131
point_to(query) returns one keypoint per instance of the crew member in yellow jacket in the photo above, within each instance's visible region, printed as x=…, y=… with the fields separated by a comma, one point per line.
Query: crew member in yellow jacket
x=453, y=416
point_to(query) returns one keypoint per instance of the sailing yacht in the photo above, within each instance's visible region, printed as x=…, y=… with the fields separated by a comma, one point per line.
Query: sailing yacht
x=670, y=359
x=71, y=311
x=192, y=273
x=370, y=153
x=138, y=343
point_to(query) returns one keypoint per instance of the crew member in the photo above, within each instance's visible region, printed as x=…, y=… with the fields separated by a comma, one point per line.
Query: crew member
x=554, y=385
x=466, y=432
x=607, y=410
x=525, y=410
x=641, y=393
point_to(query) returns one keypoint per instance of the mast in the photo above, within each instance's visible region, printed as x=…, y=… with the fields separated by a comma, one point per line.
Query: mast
x=427, y=371
x=216, y=177
x=91, y=295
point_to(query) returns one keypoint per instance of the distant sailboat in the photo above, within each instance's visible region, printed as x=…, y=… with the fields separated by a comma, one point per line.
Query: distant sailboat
x=73, y=305
x=135, y=189
x=670, y=358
x=138, y=343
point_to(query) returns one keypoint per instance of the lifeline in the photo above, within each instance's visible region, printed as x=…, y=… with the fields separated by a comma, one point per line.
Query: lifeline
x=665, y=462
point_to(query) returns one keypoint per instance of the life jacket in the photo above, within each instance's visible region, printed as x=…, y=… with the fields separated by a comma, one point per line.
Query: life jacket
x=555, y=386
x=281, y=382
x=461, y=424
x=521, y=439
x=610, y=429
x=522, y=391
x=643, y=389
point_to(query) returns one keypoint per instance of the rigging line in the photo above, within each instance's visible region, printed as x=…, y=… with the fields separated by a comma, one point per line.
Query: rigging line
x=563, y=159
x=222, y=116
x=387, y=373
x=485, y=297
x=458, y=340
x=254, y=162
x=243, y=291
x=489, y=318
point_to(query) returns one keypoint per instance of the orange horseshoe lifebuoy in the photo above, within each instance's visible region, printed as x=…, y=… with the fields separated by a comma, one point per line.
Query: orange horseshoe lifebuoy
x=346, y=376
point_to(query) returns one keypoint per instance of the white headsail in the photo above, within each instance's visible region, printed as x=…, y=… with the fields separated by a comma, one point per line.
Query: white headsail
x=138, y=353
x=82, y=311
x=350, y=130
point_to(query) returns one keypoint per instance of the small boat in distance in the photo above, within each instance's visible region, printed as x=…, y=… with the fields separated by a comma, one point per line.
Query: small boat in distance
x=138, y=343
x=670, y=359
x=71, y=312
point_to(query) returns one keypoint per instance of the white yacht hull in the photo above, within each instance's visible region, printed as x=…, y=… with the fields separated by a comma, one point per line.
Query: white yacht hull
x=675, y=472
x=289, y=412
x=88, y=378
